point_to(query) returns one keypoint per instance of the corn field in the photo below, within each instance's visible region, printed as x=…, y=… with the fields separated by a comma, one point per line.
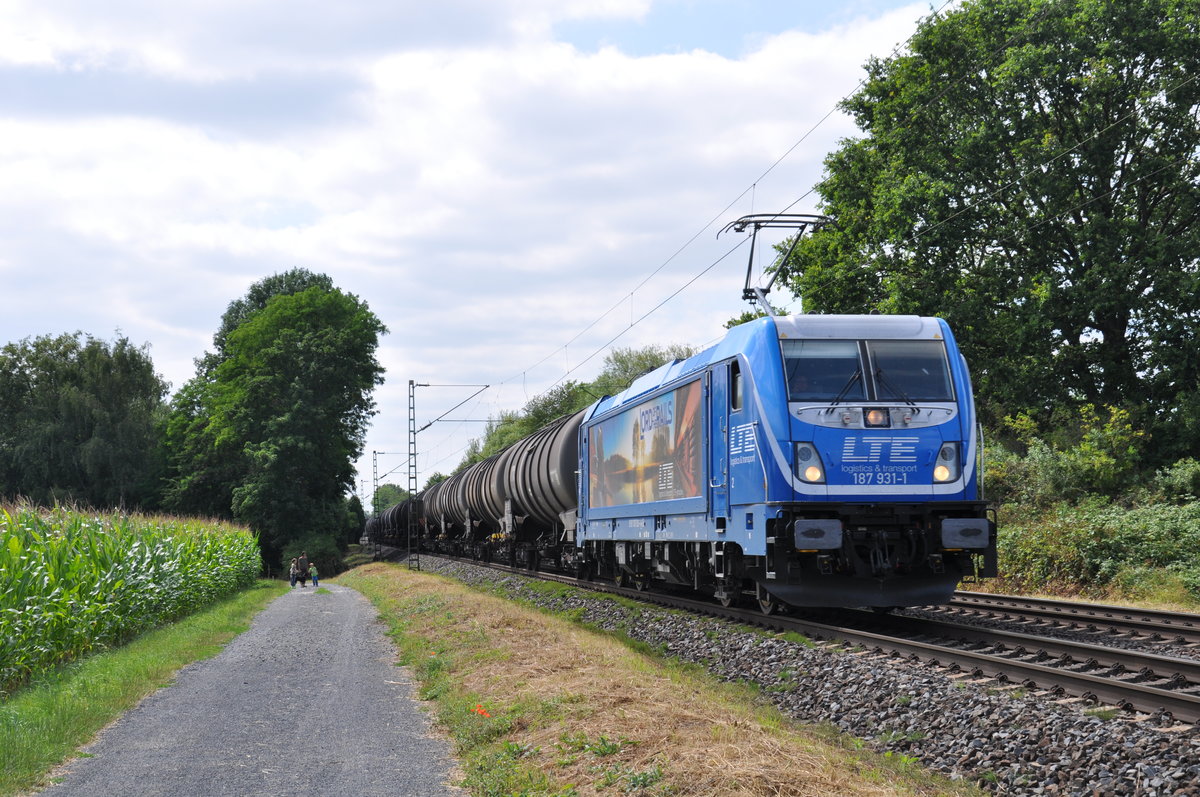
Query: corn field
x=72, y=583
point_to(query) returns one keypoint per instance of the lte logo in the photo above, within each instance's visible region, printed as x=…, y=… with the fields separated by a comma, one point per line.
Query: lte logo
x=741, y=439
x=880, y=449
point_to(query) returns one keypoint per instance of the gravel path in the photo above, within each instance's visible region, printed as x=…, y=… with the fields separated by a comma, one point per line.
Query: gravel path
x=271, y=715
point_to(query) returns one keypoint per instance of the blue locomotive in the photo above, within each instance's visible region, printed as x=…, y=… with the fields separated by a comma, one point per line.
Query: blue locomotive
x=813, y=460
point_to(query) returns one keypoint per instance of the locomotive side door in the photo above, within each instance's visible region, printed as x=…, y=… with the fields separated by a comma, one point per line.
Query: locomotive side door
x=718, y=465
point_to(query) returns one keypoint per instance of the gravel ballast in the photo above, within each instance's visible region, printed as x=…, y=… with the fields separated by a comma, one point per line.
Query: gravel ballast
x=1002, y=738
x=307, y=701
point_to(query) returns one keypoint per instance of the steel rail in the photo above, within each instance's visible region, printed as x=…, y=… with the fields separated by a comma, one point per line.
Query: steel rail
x=1056, y=680
x=1174, y=626
x=1176, y=670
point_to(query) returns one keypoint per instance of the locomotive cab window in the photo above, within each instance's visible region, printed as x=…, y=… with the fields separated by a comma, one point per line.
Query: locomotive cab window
x=735, y=387
x=910, y=370
x=874, y=370
x=822, y=370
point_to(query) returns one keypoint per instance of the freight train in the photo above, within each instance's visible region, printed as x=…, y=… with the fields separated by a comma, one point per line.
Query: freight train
x=812, y=460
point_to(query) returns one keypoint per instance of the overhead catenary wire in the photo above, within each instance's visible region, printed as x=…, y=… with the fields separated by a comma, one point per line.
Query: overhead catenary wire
x=750, y=189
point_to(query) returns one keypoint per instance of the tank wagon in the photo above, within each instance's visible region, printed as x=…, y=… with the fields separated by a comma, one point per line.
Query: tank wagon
x=816, y=460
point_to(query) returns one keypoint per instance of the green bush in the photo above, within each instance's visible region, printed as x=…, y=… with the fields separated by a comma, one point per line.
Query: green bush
x=1179, y=482
x=1099, y=544
x=1095, y=457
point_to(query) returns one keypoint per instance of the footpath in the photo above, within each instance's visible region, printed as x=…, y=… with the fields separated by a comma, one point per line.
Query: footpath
x=307, y=701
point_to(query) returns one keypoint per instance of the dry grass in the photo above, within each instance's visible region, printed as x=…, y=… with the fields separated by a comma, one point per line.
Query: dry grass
x=607, y=715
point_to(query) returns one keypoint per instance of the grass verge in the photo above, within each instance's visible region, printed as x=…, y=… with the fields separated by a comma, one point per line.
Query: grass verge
x=357, y=555
x=43, y=724
x=538, y=705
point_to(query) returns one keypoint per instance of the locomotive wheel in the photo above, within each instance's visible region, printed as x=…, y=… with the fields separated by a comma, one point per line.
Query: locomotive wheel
x=641, y=583
x=768, y=604
x=732, y=590
x=621, y=579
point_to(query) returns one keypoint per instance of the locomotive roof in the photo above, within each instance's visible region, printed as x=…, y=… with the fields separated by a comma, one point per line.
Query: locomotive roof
x=908, y=327
x=858, y=326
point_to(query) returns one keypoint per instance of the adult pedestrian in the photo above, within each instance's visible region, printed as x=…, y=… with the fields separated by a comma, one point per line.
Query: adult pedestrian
x=312, y=572
x=302, y=566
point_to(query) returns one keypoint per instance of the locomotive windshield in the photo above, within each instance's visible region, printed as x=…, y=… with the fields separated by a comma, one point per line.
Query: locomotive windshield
x=884, y=370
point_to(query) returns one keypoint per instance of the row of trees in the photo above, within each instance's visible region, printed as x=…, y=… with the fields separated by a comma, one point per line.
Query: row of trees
x=79, y=421
x=265, y=433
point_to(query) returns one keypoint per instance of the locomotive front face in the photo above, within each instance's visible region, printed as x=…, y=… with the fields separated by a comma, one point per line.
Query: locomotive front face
x=874, y=417
x=881, y=501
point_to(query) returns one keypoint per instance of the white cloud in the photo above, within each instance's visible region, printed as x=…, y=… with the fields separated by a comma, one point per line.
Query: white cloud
x=490, y=193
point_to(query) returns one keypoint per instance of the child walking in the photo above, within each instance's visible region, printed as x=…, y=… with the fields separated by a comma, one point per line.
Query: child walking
x=312, y=572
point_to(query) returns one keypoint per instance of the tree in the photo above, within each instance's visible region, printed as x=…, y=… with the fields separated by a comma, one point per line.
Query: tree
x=623, y=366
x=1030, y=170
x=274, y=419
x=79, y=421
x=296, y=392
x=388, y=495
x=204, y=471
x=257, y=297
x=201, y=471
x=356, y=519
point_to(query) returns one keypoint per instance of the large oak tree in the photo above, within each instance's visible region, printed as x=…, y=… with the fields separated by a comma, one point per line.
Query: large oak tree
x=1030, y=170
x=268, y=429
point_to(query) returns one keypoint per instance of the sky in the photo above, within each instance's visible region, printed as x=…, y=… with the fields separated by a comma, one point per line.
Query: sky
x=513, y=186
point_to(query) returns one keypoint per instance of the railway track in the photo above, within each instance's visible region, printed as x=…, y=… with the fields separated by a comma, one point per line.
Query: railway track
x=1131, y=680
x=1143, y=624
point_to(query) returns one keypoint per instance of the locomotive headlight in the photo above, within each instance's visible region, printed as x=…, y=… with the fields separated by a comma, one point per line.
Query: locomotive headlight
x=877, y=417
x=948, y=466
x=808, y=466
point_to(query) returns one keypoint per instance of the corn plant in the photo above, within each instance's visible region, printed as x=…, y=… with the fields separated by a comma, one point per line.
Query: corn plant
x=72, y=583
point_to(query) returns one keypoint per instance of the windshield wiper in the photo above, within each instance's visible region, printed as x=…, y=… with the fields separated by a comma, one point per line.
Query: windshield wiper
x=883, y=380
x=854, y=377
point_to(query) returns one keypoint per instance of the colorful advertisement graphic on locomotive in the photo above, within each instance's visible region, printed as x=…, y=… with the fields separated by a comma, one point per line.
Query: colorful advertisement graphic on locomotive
x=651, y=452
